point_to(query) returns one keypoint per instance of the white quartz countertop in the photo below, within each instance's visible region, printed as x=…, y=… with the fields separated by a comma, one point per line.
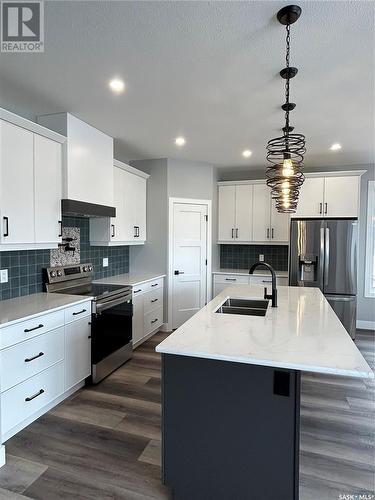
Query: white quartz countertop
x=257, y=272
x=130, y=279
x=21, y=308
x=302, y=333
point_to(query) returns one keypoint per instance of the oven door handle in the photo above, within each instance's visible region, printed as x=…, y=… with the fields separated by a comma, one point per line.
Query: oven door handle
x=102, y=306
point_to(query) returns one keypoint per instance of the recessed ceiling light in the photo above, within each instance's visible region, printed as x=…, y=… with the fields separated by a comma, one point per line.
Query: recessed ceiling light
x=180, y=141
x=335, y=147
x=247, y=153
x=117, y=85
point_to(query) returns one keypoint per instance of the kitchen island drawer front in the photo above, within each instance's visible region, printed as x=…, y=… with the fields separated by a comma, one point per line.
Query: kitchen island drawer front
x=25, y=360
x=154, y=284
x=139, y=289
x=23, y=400
x=153, y=300
x=25, y=330
x=77, y=311
x=153, y=320
x=231, y=279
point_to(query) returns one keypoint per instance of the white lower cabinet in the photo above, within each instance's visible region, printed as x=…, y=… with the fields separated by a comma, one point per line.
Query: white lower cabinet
x=42, y=360
x=25, y=399
x=148, y=311
x=77, y=352
x=222, y=281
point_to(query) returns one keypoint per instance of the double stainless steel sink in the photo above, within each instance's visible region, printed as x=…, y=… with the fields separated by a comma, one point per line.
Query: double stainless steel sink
x=248, y=307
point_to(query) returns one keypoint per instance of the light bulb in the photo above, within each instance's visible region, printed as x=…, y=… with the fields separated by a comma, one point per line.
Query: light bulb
x=287, y=163
x=285, y=185
x=285, y=191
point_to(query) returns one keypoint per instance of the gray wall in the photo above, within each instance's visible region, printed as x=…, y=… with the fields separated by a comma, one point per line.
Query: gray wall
x=366, y=306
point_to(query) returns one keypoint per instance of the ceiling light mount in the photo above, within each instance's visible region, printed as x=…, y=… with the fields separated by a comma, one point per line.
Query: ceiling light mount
x=286, y=153
x=289, y=14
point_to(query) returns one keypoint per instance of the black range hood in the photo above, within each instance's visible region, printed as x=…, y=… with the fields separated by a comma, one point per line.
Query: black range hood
x=76, y=208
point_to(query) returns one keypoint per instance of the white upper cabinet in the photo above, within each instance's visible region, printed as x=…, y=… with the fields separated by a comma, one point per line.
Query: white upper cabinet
x=88, y=165
x=310, y=201
x=235, y=205
x=247, y=214
x=17, y=193
x=30, y=184
x=261, y=213
x=341, y=196
x=227, y=212
x=129, y=225
x=331, y=195
x=48, y=185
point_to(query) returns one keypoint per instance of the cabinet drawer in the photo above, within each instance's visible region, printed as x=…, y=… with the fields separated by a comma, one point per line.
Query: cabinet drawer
x=261, y=280
x=139, y=289
x=25, y=330
x=154, y=284
x=24, y=360
x=231, y=278
x=153, y=300
x=77, y=311
x=153, y=320
x=26, y=398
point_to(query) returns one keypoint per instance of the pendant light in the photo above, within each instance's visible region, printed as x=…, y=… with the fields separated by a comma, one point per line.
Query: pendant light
x=285, y=153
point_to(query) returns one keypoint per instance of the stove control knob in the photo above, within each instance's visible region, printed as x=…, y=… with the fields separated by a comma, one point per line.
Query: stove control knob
x=84, y=269
x=59, y=273
x=90, y=268
x=53, y=274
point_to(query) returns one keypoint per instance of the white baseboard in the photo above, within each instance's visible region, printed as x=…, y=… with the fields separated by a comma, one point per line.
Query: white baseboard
x=365, y=325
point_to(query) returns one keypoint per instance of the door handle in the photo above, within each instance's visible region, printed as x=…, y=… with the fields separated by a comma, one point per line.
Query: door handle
x=236, y=232
x=30, y=398
x=232, y=233
x=6, y=231
x=179, y=272
x=27, y=330
x=268, y=233
x=113, y=231
x=60, y=232
x=272, y=232
x=136, y=231
x=326, y=257
x=27, y=360
x=320, y=208
x=326, y=208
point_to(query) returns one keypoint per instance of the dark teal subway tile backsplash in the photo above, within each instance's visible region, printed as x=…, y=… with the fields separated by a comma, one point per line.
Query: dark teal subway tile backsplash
x=25, y=275
x=244, y=256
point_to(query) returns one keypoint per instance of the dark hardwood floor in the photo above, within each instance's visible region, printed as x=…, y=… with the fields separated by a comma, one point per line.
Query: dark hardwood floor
x=104, y=442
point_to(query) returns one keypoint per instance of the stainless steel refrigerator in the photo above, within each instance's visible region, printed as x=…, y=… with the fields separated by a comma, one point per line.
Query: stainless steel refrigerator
x=323, y=253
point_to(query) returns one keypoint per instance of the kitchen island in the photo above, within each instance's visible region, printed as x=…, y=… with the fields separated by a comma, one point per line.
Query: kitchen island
x=231, y=393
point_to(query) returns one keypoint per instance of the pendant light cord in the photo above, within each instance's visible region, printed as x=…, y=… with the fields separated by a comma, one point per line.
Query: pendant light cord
x=287, y=79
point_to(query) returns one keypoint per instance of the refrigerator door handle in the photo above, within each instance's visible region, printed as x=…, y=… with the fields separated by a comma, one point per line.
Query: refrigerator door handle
x=326, y=257
x=321, y=263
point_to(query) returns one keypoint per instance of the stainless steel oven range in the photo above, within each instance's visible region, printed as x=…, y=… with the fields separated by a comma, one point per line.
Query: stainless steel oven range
x=111, y=319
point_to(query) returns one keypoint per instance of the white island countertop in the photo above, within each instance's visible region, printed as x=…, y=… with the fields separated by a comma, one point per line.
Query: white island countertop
x=302, y=333
x=130, y=279
x=28, y=306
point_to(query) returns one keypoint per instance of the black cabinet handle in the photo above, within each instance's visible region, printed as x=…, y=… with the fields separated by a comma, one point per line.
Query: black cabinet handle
x=232, y=233
x=237, y=232
x=155, y=284
x=320, y=208
x=60, y=232
x=230, y=279
x=89, y=337
x=326, y=208
x=155, y=300
x=154, y=320
x=6, y=220
x=268, y=233
x=272, y=231
x=136, y=231
x=30, y=398
x=179, y=272
x=266, y=281
x=27, y=360
x=113, y=234
x=32, y=329
x=79, y=312
x=137, y=291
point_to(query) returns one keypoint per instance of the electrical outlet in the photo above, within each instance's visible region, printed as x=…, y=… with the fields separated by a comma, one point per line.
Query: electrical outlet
x=4, y=276
x=105, y=262
x=261, y=257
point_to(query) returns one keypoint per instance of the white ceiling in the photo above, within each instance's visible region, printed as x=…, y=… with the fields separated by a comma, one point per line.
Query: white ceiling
x=207, y=71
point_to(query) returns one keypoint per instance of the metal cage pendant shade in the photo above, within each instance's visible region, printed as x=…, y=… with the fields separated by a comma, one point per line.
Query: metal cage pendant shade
x=286, y=153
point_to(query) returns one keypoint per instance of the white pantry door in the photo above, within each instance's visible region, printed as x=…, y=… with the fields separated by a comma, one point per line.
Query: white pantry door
x=189, y=264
